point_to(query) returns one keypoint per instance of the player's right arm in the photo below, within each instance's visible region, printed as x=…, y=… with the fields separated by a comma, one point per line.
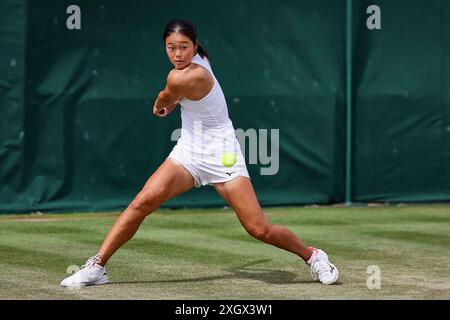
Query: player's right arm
x=170, y=96
x=192, y=83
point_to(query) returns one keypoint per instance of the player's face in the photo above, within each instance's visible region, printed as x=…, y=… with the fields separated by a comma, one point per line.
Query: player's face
x=180, y=50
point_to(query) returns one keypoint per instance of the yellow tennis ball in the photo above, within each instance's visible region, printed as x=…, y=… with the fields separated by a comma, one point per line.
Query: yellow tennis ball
x=229, y=159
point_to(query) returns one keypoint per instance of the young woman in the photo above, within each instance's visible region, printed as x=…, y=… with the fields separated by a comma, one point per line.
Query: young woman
x=196, y=160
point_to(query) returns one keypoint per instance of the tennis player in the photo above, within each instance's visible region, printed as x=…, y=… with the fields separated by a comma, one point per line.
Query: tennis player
x=196, y=160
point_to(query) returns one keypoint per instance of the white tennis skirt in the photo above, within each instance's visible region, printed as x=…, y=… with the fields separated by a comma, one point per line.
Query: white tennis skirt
x=207, y=168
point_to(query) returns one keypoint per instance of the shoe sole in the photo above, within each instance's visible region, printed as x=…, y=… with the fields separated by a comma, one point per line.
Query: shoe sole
x=96, y=283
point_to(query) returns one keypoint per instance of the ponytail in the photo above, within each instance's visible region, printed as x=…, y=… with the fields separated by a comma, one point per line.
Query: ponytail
x=202, y=52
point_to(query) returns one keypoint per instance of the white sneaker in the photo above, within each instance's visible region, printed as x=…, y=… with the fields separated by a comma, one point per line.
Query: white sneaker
x=321, y=268
x=91, y=273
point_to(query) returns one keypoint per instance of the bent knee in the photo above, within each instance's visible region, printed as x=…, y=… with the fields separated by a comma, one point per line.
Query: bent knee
x=261, y=232
x=147, y=202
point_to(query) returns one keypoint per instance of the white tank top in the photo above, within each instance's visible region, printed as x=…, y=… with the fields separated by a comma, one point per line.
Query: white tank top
x=206, y=126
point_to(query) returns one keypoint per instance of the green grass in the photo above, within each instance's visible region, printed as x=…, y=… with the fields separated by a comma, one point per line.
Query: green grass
x=206, y=254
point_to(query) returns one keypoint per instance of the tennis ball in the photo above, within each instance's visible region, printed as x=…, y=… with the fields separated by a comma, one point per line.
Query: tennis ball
x=229, y=159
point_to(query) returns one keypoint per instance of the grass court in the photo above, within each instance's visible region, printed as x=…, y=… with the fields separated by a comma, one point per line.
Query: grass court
x=206, y=254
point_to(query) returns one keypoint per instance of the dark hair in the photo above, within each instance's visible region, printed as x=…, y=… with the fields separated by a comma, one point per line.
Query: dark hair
x=186, y=28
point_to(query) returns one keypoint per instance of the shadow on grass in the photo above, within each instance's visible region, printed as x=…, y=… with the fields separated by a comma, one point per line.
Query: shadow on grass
x=240, y=272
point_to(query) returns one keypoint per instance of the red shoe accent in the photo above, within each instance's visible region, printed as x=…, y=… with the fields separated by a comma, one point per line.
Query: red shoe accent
x=312, y=250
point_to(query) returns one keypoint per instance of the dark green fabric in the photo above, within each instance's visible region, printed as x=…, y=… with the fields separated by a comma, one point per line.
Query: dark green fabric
x=402, y=109
x=77, y=132
x=13, y=192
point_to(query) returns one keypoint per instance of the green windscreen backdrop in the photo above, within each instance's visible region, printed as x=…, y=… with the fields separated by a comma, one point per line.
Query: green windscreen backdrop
x=402, y=102
x=77, y=131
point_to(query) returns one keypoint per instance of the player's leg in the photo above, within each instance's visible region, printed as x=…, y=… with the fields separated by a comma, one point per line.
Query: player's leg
x=239, y=194
x=169, y=180
x=241, y=197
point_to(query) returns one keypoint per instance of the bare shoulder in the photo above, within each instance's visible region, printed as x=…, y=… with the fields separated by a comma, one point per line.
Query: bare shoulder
x=190, y=79
x=174, y=77
x=189, y=74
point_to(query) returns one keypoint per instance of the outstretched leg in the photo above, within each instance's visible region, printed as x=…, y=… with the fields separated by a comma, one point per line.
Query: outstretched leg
x=241, y=197
x=169, y=180
x=239, y=194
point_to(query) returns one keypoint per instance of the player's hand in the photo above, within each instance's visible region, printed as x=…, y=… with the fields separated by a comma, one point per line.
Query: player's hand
x=165, y=111
x=171, y=107
x=159, y=112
